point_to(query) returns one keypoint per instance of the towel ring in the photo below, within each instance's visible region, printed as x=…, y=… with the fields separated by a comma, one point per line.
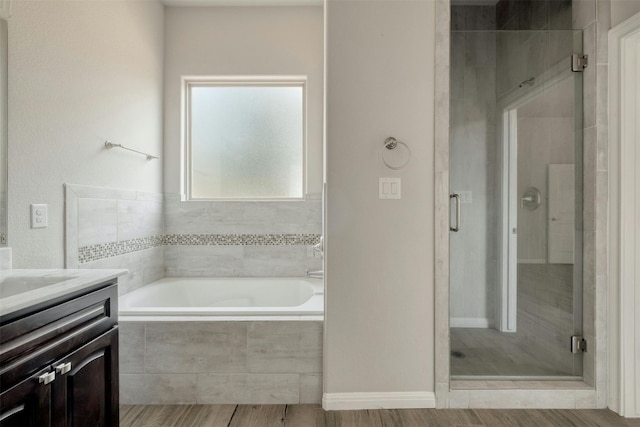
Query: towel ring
x=398, y=160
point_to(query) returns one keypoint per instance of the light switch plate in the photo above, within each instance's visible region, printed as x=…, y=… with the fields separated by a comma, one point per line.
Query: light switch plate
x=390, y=188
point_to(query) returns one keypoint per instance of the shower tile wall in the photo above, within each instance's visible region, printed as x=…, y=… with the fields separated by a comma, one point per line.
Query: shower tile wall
x=593, y=17
x=533, y=15
x=5, y=259
x=474, y=162
x=540, y=43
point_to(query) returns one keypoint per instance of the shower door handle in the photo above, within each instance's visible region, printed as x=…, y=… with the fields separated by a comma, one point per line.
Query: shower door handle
x=457, y=197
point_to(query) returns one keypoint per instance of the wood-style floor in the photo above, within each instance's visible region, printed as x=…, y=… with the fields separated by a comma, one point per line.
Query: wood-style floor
x=314, y=416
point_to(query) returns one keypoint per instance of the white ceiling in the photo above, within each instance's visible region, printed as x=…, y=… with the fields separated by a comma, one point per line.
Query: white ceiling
x=242, y=2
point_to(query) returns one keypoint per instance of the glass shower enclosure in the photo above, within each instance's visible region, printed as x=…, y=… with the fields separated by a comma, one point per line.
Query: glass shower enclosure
x=516, y=185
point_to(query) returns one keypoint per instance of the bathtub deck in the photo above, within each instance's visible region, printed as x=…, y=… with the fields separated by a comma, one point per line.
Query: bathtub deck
x=314, y=416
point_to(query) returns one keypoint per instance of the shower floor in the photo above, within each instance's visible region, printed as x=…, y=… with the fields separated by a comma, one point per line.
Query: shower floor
x=488, y=352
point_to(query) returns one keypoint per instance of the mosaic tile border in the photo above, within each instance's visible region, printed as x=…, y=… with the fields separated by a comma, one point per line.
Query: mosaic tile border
x=112, y=249
x=242, y=239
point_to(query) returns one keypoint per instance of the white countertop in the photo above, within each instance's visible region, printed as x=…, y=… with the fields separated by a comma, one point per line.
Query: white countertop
x=23, y=288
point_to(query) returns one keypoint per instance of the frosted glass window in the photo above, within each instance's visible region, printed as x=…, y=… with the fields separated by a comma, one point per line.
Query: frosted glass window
x=246, y=141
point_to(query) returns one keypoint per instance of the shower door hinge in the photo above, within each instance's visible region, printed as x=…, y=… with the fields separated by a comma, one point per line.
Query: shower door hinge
x=578, y=344
x=579, y=62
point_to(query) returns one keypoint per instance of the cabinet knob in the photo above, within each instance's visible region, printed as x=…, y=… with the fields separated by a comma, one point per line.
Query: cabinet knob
x=63, y=368
x=47, y=378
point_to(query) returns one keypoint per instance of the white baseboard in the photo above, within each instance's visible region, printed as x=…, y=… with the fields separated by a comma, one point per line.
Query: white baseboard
x=469, y=322
x=391, y=400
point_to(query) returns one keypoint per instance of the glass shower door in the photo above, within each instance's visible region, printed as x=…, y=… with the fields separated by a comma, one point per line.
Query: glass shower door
x=516, y=164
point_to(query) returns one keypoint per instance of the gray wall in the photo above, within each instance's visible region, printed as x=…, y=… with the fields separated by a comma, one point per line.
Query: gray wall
x=379, y=319
x=79, y=73
x=245, y=41
x=623, y=9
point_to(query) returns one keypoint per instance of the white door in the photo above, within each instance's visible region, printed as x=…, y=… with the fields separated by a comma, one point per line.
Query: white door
x=561, y=223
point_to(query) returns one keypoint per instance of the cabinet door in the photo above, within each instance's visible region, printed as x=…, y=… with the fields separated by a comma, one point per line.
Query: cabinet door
x=86, y=390
x=28, y=404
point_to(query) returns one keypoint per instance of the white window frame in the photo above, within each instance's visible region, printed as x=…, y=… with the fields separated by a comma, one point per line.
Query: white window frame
x=247, y=81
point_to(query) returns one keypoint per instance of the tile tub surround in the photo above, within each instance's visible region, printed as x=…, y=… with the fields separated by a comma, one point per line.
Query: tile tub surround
x=112, y=228
x=103, y=222
x=5, y=259
x=243, y=217
x=220, y=362
x=111, y=249
x=155, y=235
x=252, y=239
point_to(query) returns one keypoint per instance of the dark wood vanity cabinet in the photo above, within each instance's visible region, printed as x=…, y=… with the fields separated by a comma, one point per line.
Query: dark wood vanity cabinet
x=27, y=404
x=87, y=395
x=59, y=362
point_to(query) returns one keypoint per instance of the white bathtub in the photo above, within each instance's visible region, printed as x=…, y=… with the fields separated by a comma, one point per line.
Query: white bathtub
x=211, y=297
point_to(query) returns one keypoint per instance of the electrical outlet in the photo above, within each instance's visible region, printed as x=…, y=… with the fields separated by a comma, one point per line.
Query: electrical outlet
x=39, y=216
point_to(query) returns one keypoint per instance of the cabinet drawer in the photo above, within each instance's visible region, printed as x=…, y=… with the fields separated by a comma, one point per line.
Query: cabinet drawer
x=27, y=343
